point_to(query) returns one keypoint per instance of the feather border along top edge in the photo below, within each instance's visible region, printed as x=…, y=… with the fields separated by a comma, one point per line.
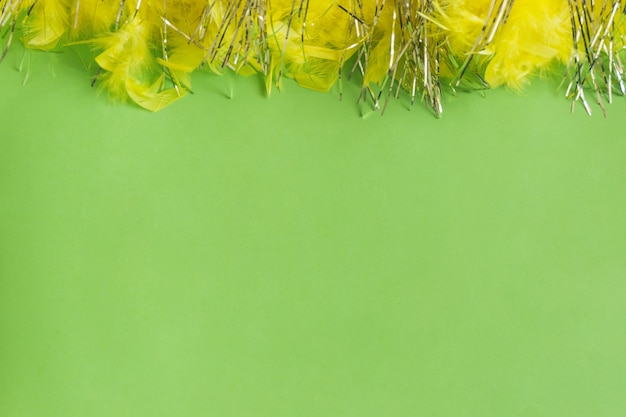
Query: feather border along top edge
x=147, y=49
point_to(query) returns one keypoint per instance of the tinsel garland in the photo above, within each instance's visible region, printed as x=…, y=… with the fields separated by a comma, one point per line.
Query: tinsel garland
x=147, y=49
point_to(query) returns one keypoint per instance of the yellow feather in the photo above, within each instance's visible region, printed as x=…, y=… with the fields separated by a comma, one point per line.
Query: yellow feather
x=92, y=18
x=46, y=24
x=310, y=50
x=152, y=97
x=536, y=34
x=130, y=64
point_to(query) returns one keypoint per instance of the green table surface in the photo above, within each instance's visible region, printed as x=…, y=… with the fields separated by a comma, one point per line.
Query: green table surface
x=301, y=256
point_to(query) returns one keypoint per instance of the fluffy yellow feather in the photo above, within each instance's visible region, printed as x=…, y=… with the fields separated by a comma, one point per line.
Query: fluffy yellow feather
x=536, y=34
x=47, y=23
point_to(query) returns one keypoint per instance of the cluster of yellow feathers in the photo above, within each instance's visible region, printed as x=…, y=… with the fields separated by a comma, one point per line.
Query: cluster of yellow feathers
x=147, y=49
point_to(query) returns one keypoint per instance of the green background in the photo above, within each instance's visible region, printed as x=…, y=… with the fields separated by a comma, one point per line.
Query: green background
x=238, y=255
